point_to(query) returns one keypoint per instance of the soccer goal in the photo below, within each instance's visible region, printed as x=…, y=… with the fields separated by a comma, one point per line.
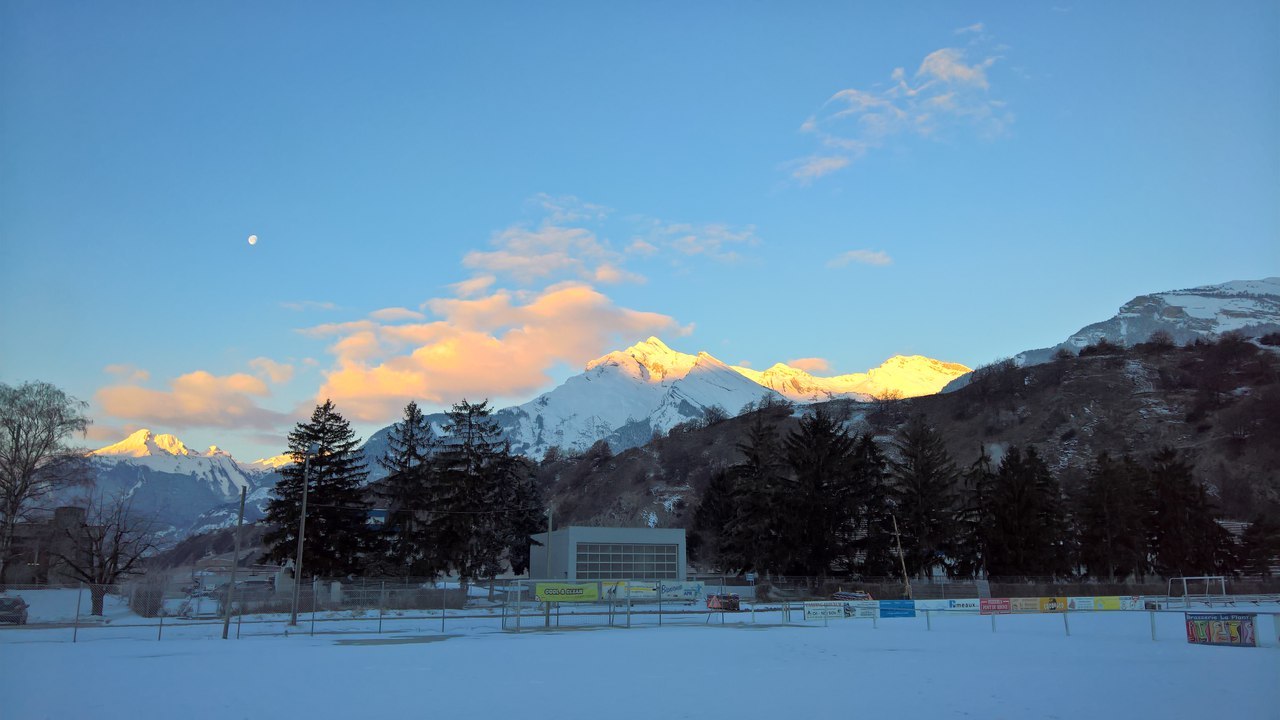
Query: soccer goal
x=1202, y=588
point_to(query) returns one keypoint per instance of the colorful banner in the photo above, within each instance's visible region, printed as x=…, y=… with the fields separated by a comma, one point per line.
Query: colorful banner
x=1024, y=605
x=1132, y=602
x=971, y=605
x=671, y=590
x=1233, y=629
x=1053, y=604
x=994, y=606
x=1080, y=603
x=897, y=608
x=861, y=609
x=566, y=592
x=823, y=610
x=1106, y=602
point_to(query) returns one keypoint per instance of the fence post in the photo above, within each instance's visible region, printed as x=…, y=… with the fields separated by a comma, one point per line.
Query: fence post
x=382, y=601
x=443, y=591
x=75, y=629
x=993, y=622
x=160, y=632
x=239, y=623
x=659, y=583
x=315, y=595
x=1065, y=624
x=1152, y=613
x=928, y=619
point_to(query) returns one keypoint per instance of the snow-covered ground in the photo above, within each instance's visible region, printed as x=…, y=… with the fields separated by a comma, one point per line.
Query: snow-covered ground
x=1029, y=668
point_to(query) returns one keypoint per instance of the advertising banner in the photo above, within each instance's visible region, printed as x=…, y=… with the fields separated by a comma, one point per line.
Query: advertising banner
x=1106, y=602
x=1235, y=629
x=1024, y=605
x=1080, y=603
x=671, y=590
x=861, y=609
x=931, y=604
x=823, y=610
x=1132, y=602
x=1053, y=604
x=566, y=592
x=897, y=608
x=994, y=606
x=970, y=605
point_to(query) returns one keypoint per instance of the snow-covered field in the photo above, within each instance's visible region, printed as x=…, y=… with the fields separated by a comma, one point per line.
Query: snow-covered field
x=1029, y=668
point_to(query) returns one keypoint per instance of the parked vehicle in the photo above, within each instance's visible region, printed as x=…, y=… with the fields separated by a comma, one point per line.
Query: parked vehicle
x=14, y=610
x=730, y=602
x=851, y=595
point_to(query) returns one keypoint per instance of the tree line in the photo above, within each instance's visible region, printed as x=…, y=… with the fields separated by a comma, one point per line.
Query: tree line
x=822, y=501
x=461, y=504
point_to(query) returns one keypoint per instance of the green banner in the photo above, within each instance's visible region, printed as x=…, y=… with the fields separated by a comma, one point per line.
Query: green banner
x=567, y=592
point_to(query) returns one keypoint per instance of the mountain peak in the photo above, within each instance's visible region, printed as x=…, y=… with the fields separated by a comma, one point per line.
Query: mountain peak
x=144, y=443
x=651, y=359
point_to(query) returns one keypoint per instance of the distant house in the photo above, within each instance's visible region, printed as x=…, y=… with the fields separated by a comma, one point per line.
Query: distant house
x=39, y=546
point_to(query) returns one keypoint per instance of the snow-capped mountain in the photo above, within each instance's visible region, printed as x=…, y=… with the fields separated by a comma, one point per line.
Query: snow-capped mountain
x=1249, y=306
x=625, y=396
x=176, y=486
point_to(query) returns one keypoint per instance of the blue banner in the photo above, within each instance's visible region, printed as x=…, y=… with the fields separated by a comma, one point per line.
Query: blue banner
x=897, y=608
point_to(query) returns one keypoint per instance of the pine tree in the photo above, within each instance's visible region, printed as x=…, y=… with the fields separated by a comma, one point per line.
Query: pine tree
x=483, y=499
x=924, y=493
x=406, y=491
x=337, y=533
x=818, y=512
x=873, y=513
x=973, y=519
x=711, y=542
x=1260, y=545
x=1027, y=527
x=1111, y=516
x=1184, y=537
x=753, y=533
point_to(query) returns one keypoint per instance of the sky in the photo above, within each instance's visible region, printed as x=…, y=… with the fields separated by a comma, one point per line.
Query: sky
x=474, y=200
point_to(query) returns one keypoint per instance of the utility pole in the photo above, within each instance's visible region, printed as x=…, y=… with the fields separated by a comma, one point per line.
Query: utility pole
x=547, y=603
x=235, y=563
x=906, y=582
x=302, y=530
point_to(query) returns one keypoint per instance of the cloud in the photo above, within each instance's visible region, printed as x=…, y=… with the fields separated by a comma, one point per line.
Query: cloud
x=949, y=93
x=277, y=373
x=641, y=248
x=819, y=165
x=567, y=208
x=498, y=345
x=716, y=241
x=301, y=305
x=127, y=373
x=547, y=252
x=810, y=364
x=196, y=399
x=474, y=286
x=865, y=257
x=393, y=314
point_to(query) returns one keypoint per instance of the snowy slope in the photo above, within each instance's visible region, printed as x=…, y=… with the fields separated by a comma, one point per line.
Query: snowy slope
x=625, y=396
x=177, y=486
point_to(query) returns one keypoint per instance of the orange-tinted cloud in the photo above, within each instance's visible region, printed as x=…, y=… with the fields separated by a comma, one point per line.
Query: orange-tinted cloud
x=274, y=371
x=500, y=345
x=197, y=399
x=810, y=364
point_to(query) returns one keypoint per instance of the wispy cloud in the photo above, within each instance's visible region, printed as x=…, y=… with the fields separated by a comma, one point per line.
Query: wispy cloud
x=277, y=372
x=301, y=305
x=393, y=314
x=864, y=257
x=950, y=91
x=127, y=373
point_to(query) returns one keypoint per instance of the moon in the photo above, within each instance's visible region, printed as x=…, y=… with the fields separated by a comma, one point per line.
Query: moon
x=253, y=239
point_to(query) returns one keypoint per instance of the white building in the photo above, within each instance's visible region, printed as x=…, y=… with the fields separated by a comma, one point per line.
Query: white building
x=609, y=553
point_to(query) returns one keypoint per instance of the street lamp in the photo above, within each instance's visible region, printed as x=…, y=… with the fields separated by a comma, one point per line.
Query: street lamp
x=302, y=529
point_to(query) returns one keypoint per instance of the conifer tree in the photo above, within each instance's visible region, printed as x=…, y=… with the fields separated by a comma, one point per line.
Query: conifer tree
x=753, y=532
x=1111, y=517
x=924, y=493
x=483, y=499
x=711, y=541
x=1184, y=538
x=1028, y=527
x=873, y=514
x=337, y=529
x=817, y=513
x=973, y=517
x=407, y=492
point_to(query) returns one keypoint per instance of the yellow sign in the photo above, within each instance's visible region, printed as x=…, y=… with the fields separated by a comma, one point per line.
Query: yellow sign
x=567, y=592
x=1106, y=602
x=1024, y=605
x=1053, y=604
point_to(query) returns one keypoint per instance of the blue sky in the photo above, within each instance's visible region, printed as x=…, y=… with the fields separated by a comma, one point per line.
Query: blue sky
x=476, y=200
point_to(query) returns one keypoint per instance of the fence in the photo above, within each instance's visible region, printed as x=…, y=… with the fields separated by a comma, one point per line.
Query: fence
x=369, y=605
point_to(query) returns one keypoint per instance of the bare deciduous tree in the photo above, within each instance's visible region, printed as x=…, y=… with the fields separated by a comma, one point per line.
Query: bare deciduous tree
x=36, y=419
x=109, y=545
